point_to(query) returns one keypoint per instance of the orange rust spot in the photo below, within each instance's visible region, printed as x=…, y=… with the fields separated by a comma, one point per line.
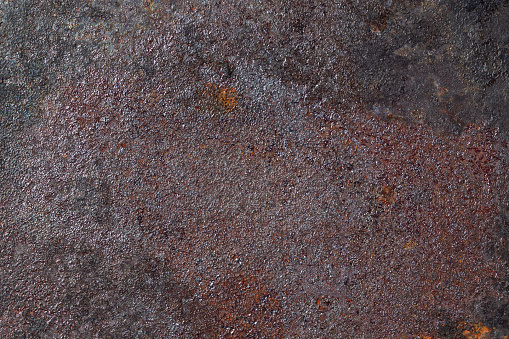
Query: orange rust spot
x=467, y=330
x=226, y=99
x=148, y=5
x=475, y=331
x=409, y=245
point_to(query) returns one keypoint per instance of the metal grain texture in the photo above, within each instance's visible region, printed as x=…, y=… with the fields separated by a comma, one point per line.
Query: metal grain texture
x=228, y=169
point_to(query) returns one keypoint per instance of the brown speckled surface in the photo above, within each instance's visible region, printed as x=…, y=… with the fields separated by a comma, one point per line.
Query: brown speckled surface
x=227, y=169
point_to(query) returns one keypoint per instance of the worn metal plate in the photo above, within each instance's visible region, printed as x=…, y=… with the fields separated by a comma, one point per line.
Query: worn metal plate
x=249, y=169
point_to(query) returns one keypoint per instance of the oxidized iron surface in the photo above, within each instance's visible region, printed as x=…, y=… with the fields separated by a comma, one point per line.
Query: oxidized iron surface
x=227, y=169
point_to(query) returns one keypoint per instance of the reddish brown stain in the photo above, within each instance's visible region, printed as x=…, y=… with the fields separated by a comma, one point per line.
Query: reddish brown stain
x=431, y=197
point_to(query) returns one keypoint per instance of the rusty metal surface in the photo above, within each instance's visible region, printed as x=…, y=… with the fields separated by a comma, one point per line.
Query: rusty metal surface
x=228, y=169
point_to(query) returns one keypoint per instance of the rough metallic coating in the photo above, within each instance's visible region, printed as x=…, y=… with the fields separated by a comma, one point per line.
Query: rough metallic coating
x=320, y=169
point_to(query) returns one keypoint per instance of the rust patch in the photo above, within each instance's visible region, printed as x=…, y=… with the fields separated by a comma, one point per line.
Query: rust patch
x=224, y=99
x=144, y=204
x=364, y=205
x=387, y=195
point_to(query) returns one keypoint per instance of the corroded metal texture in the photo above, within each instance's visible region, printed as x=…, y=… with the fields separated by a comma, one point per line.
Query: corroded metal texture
x=228, y=169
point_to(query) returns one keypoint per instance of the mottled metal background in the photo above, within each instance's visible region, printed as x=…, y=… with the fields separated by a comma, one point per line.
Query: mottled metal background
x=254, y=169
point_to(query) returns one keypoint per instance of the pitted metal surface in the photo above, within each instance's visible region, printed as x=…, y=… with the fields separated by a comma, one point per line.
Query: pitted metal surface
x=227, y=169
